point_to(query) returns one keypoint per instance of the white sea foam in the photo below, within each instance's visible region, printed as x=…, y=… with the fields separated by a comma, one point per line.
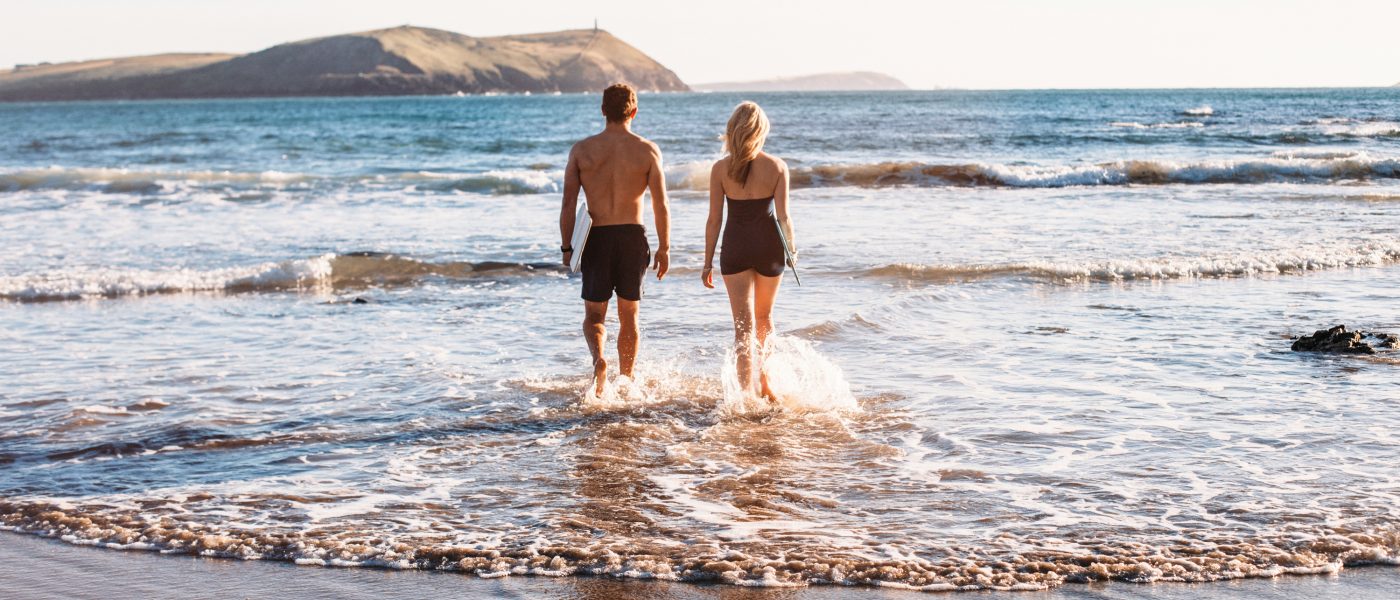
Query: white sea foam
x=1305, y=257
x=498, y=182
x=691, y=175
x=1176, y=125
x=96, y=282
x=1125, y=172
x=99, y=409
x=309, y=274
x=1362, y=129
x=1282, y=166
x=803, y=380
x=1314, y=154
x=1199, y=111
x=131, y=180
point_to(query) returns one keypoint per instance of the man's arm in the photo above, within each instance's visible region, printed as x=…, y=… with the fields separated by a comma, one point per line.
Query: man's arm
x=570, y=208
x=661, y=209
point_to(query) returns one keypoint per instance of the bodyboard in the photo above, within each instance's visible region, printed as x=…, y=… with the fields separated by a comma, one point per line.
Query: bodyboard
x=787, y=252
x=582, y=223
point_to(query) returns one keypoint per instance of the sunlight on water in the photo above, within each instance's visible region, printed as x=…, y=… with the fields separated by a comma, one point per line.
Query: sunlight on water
x=1042, y=338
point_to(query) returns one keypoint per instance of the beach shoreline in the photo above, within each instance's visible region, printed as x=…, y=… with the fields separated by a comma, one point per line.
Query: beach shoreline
x=1027, y=351
x=34, y=567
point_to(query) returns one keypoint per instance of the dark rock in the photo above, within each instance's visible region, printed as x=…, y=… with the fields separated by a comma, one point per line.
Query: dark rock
x=1338, y=340
x=359, y=301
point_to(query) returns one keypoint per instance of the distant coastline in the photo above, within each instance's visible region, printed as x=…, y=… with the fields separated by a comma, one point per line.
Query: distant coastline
x=821, y=82
x=388, y=62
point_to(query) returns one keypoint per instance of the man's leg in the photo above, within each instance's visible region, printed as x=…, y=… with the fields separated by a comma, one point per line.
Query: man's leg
x=630, y=270
x=594, y=315
x=627, y=334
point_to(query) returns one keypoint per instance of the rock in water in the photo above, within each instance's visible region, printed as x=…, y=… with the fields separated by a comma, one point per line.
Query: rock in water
x=1339, y=340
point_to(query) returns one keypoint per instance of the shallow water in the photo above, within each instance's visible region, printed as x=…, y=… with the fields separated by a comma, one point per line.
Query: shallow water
x=1020, y=361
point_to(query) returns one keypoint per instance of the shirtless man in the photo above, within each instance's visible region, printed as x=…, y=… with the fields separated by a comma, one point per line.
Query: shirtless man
x=615, y=168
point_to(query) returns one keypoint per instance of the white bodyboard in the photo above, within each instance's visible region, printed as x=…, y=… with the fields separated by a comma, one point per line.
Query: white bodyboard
x=582, y=223
x=788, y=256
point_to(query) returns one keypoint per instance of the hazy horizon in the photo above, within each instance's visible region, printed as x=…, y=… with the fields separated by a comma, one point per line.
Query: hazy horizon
x=1000, y=44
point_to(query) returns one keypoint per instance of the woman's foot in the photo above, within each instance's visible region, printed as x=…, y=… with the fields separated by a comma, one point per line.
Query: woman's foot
x=600, y=376
x=764, y=390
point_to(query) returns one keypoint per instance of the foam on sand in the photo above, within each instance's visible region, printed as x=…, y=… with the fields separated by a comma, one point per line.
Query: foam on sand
x=1187, y=561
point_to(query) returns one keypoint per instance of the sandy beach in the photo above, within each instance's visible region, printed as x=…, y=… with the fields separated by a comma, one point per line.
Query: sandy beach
x=33, y=568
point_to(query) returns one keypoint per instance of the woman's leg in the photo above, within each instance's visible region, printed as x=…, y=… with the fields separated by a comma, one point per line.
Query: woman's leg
x=740, y=288
x=765, y=291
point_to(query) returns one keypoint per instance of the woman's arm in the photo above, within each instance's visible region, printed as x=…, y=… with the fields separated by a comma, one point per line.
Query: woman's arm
x=780, y=201
x=713, y=223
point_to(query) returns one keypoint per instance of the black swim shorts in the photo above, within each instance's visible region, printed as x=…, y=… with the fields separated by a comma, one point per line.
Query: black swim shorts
x=615, y=258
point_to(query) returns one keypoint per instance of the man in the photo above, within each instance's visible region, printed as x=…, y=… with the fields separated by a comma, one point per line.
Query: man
x=615, y=168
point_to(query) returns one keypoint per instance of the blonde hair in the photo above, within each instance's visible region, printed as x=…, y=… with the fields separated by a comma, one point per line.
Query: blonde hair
x=743, y=139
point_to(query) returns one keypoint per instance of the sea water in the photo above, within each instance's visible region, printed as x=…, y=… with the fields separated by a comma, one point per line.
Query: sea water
x=1042, y=337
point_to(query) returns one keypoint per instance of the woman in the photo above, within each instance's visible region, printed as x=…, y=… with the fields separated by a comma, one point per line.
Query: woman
x=753, y=185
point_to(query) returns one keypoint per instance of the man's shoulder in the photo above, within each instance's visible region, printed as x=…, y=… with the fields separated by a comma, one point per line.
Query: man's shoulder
x=585, y=142
x=646, y=143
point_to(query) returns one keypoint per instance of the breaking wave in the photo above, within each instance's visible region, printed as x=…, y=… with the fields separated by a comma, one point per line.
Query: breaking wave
x=126, y=181
x=1302, y=259
x=1134, y=172
x=1177, y=125
x=131, y=181
x=1281, y=167
x=330, y=271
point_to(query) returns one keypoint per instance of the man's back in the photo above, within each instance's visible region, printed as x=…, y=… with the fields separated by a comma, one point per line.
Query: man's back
x=614, y=168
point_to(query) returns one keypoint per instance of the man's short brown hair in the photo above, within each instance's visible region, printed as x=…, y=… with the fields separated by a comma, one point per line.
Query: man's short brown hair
x=619, y=101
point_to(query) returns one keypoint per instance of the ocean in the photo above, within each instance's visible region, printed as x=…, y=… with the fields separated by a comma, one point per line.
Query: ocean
x=1043, y=338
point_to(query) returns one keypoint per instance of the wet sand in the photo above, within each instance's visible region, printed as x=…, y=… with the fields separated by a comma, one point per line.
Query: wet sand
x=33, y=567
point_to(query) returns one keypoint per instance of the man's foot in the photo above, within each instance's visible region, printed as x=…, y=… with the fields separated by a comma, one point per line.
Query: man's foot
x=600, y=376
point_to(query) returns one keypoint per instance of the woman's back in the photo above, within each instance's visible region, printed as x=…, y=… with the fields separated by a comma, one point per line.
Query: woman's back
x=764, y=173
x=748, y=199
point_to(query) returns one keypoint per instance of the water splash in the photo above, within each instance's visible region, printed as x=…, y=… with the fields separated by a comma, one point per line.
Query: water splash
x=803, y=380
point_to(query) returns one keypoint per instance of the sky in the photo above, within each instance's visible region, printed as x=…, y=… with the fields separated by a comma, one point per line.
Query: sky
x=978, y=44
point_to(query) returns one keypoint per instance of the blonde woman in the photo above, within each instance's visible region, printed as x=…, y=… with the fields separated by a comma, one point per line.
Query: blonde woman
x=752, y=186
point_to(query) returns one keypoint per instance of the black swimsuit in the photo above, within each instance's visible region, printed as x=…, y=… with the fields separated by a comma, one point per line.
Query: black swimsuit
x=751, y=239
x=615, y=257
